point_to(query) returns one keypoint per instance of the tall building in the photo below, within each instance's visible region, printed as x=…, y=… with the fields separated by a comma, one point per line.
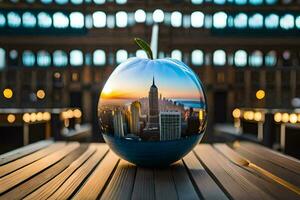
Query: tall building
x=118, y=123
x=135, y=113
x=169, y=125
x=153, y=105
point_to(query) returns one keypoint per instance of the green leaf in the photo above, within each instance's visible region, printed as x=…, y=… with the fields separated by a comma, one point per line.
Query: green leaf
x=145, y=46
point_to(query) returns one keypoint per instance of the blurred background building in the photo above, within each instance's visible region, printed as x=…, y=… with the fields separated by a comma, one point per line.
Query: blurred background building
x=59, y=53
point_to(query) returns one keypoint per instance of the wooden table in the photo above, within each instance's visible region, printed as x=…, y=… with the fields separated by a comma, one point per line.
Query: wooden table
x=60, y=170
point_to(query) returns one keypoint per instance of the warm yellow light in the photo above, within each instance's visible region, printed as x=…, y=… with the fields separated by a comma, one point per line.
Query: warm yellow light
x=11, y=118
x=106, y=90
x=8, y=93
x=46, y=116
x=39, y=116
x=236, y=113
x=70, y=114
x=77, y=113
x=33, y=117
x=293, y=118
x=40, y=94
x=298, y=117
x=251, y=115
x=201, y=115
x=285, y=117
x=258, y=116
x=26, y=117
x=260, y=94
x=64, y=115
x=277, y=117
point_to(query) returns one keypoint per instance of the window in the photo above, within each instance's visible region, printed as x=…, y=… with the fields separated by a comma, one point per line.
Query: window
x=61, y=2
x=140, y=16
x=121, y=1
x=219, y=57
x=29, y=20
x=176, y=19
x=2, y=20
x=76, y=20
x=99, y=19
x=88, y=21
x=13, y=19
x=240, y=58
x=76, y=58
x=197, y=57
x=77, y=2
x=141, y=54
x=60, y=58
x=272, y=21
x=219, y=20
x=99, y=57
x=240, y=20
x=43, y=58
x=176, y=54
x=60, y=20
x=297, y=22
x=255, y=2
x=197, y=2
x=271, y=59
x=158, y=16
x=2, y=58
x=287, y=21
x=197, y=19
x=121, y=56
x=99, y=1
x=44, y=20
x=256, y=59
x=256, y=21
x=46, y=1
x=121, y=19
x=28, y=58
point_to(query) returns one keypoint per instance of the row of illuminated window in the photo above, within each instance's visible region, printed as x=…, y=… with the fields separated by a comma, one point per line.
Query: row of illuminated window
x=197, y=57
x=76, y=2
x=195, y=2
x=122, y=19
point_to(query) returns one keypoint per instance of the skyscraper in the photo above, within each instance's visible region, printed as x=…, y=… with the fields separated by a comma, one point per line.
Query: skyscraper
x=118, y=123
x=135, y=113
x=153, y=105
x=169, y=125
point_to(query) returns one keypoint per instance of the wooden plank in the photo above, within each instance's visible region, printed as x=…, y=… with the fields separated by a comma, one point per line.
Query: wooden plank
x=98, y=179
x=184, y=186
x=276, y=170
x=26, y=172
x=49, y=188
x=277, y=158
x=73, y=182
x=17, y=164
x=23, y=151
x=262, y=180
x=144, y=184
x=121, y=185
x=226, y=173
x=204, y=183
x=164, y=184
x=32, y=184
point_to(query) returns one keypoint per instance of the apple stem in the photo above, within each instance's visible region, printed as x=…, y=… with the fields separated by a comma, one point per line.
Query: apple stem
x=145, y=46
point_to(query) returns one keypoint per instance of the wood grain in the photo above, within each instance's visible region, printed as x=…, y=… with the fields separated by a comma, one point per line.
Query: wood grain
x=32, y=184
x=26, y=172
x=164, y=184
x=184, y=186
x=49, y=188
x=261, y=180
x=144, y=184
x=23, y=151
x=14, y=165
x=98, y=179
x=121, y=185
x=204, y=183
x=73, y=182
x=227, y=174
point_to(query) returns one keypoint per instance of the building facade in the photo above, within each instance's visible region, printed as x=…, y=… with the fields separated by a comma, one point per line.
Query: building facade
x=169, y=125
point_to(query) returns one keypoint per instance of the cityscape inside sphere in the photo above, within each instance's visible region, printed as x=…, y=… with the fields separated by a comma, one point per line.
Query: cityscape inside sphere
x=152, y=100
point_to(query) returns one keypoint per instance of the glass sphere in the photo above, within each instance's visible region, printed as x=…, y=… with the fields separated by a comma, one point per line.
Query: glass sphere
x=152, y=112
